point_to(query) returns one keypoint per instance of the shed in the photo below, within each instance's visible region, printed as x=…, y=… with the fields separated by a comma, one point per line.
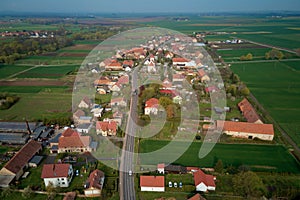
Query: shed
x=35, y=161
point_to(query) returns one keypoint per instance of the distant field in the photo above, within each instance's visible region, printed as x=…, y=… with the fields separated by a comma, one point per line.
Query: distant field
x=235, y=54
x=51, y=60
x=276, y=86
x=8, y=70
x=258, y=157
x=52, y=72
x=37, y=102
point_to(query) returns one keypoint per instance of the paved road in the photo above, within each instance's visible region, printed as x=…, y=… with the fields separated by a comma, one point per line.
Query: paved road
x=127, y=190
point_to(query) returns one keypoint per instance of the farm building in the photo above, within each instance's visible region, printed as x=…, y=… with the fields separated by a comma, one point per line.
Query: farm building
x=60, y=175
x=72, y=141
x=152, y=183
x=16, y=166
x=204, y=182
x=35, y=161
x=249, y=112
x=94, y=184
x=247, y=130
x=171, y=169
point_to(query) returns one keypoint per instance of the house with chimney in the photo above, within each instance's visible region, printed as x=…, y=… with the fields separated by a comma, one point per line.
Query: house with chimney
x=59, y=175
x=94, y=184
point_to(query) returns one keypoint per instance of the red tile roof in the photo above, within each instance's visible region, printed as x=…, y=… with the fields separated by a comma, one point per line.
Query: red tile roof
x=70, y=132
x=179, y=60
x=107, y=126
x=171, y=92
x=161, y=165
x=123, y=80
x=102, y=81
x=245, y=127
x=201, y=177
x=197, y=197
x=178, y=76
x=153, y=102
x=129, y=63
x=23, y=156
x=152, y=181
x=248, y=111
x=55, y=170
x=115, y=63
x=95, y=178
x=201, y=72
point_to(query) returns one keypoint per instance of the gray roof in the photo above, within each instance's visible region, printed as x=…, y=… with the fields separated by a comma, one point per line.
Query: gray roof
x=36, y=159
x=94, y=145
x=6, y=180
x=55, y=139
x=46, y=133
x=14, y=138
x=16, y=126
x=84, y=126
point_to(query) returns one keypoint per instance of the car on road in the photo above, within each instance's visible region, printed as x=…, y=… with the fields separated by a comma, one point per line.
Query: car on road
x=130, y=173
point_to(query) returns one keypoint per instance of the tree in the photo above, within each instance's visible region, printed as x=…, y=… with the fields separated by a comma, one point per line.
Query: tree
x=27, y=193
x=51, y=191
x=248, y=184
x=235, y=78
x=245, y=91
x=170, y=111
x=165, y=101
x=219, y=166
x=249, y=56
x=267, y=55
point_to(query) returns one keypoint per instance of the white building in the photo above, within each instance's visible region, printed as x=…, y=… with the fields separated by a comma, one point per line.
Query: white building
x=151, y=106
x=152, y=183
x=59, y=175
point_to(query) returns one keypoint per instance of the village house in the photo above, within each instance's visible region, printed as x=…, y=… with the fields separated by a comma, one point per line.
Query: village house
x=128, y=63
x=179, y=63
x=94, y=184
x=249, y=112
x=106, y=128
x=114, y=66
x=151, y=106
x=197, y=197
x=85, y=103
x=17, y=165
x=167, y=84
x=84, y=128
x=119, y=101
x=59, y=175
x=152, y=183
x=204, y=182
x=72, y=141
x=246, y=130
x=103, y=81
x=84, y=120
x=76, y=115
x=171, y=169
x=203, y=76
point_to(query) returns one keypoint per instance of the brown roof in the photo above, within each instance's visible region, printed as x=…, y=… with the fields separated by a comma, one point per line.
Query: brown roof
x=70, y=196
x=79, y=113
x=248, y=111
x=201, y=72
x=152, y=181
x=95, y=178
x=23, y=156
x=201, y=177
x=55, y=170
x=160, y=165
x=87, y=100
x=102, y=81
x=128, y=63
x=245, y=127
x=69, y=132
x=197, y=197
x=178, y=76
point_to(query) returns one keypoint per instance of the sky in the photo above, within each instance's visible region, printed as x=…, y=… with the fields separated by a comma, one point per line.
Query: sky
x=146, y=6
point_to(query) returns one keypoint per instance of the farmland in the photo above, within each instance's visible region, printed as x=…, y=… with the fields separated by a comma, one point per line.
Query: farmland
x=258, y=157
x=276, y=86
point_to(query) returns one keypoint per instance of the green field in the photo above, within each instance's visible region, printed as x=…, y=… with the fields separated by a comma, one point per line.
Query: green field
x=258, y=157
x=52, y=72
x=8, y=70
x=51, y=60
x=37, y=103
x=276, y=86
x=235, y=54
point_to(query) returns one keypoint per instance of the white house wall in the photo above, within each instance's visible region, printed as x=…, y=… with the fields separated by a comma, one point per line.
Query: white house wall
x=153, y=189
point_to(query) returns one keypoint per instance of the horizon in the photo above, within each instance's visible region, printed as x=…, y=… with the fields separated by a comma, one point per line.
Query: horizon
x=142, y=6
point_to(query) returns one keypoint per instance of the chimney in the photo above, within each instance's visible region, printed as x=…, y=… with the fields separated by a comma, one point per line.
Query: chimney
x=28, y=128
x=54, y=173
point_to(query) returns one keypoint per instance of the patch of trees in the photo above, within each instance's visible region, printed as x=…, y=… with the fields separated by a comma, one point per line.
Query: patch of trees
x=7, y=101
x=274, y=54
x=22, y=47
x=249, y=56
x=236, y=87
x=93, y=35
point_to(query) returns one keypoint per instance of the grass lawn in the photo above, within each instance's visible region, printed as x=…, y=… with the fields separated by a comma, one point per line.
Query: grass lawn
x=276, y=86
x=259, y=157
x=18, y=195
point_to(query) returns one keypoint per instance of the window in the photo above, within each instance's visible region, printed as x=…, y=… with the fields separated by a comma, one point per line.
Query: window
x=62, y=179
x=63, y=183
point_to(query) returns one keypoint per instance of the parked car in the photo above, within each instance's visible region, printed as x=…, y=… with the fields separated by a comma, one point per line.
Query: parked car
x=170, y=184
x=175, y=184
x=180, y=184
